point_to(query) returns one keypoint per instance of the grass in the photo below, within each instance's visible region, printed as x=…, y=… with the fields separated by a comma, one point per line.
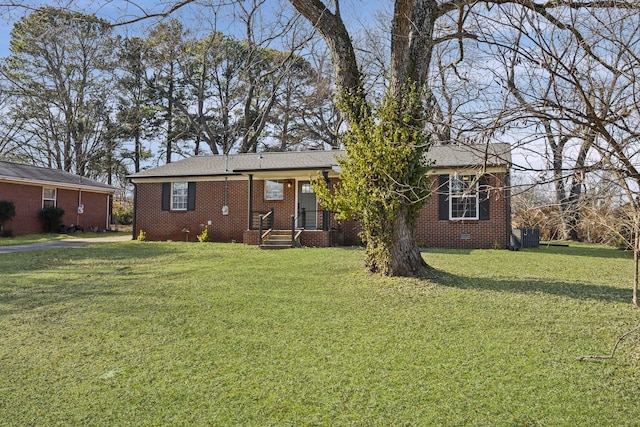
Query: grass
x=45, y=237
x=141, y=333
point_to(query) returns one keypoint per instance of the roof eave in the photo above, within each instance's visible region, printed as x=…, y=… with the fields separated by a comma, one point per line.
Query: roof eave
x=57, y=184
x=290, y=169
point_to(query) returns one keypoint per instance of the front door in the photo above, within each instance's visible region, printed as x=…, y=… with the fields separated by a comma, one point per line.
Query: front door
x=307, y=206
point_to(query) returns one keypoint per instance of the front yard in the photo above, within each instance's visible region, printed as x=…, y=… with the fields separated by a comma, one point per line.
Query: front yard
x=46, y=237
x=141, y=333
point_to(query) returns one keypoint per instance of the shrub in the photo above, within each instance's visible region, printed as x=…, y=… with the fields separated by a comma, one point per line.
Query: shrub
x=204, y=236
x=51, y=218
x=123, y=213
x=7, y=212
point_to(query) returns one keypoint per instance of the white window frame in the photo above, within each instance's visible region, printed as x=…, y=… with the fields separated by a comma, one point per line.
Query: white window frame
x=276, y=192
x=179, y=196
x=48, y=198
x=466, y=193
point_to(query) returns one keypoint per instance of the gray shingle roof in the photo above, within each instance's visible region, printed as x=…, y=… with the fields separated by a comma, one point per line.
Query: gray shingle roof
x=456, y=156
x=446, y=156
x=34, y=174
x=243, y=163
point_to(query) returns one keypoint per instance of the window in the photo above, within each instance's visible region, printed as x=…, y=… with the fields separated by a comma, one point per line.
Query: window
x=463, y=197
x=49, y=197
x=307, y=188
x=179, y=196
x=456, y=204
x=273, y=190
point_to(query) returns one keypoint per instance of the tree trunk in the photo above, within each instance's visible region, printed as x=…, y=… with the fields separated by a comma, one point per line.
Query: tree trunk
x=406, y=259
x=570, y=206
x=169, y=117
x=636, y=252
x=395, y=251
x=411, y=42
x=636, y=261
x=138, y=147
x=345, y=67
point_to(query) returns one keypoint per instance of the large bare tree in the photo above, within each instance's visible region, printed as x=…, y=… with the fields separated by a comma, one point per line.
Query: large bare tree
x=58, y=76
x=418, y=26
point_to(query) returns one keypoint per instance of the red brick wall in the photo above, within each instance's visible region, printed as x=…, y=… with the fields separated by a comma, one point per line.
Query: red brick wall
x=168, y=225
x=468, y=234
x=28, y=202
x=282, y=209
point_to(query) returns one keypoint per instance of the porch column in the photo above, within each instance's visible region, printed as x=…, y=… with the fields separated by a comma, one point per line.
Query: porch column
x=250, y=216
x=325, y=213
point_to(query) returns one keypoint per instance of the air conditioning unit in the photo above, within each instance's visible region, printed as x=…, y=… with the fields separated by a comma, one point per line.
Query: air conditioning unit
x=524, y=238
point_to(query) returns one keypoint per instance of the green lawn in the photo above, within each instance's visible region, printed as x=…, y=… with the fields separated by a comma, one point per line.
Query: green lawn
x=45, y=237
x=141, y=333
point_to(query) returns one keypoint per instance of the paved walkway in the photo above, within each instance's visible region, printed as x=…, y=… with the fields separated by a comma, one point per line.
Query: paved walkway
x=65, y=243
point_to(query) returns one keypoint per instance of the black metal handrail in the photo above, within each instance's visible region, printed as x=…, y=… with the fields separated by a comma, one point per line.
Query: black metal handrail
x=322, y=214
x=269, y=222
x=295, y=232
x=302, y=214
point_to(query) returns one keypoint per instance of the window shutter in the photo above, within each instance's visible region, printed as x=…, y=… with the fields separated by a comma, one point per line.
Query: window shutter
x=443, y=197
x=483, y=194
x=166, y=196
x=191, y=200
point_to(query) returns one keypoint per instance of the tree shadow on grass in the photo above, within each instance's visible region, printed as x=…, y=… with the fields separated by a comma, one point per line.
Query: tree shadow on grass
x=580, y=291
x=588, y=251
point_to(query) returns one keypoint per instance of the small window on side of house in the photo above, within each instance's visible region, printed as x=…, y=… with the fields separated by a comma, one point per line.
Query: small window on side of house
x=49, y=196
x=273, y=190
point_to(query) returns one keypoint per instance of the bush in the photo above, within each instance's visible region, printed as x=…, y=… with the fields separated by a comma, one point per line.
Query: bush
x=51, y=219
x=7, y=212
x=122, y=213
x=204, y=236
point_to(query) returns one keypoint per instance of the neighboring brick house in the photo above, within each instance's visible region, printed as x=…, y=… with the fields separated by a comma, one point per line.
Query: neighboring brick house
x=86, y=202
x=470, y=206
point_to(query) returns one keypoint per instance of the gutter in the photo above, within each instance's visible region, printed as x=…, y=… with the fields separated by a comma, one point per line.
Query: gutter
x=57, y=184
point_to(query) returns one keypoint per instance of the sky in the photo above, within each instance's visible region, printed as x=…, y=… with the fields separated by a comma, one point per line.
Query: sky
x=357, y=13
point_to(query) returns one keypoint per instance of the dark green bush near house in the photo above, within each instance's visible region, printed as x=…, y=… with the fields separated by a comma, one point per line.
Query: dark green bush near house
x=7, y=212
x=51, y=219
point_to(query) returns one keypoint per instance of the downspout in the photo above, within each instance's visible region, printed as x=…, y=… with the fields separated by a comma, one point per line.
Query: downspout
x=109, y=211
x=507, y=194
x=135, y=210
x=250, y=215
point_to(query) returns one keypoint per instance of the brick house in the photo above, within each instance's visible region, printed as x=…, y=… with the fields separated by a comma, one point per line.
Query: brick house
x=86, y=202
x=266, y=198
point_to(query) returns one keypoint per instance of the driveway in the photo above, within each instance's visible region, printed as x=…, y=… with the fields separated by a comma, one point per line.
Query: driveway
x=66, y=243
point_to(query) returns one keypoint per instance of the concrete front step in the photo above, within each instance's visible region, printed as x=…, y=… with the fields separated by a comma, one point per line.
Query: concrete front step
x=277, y=240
